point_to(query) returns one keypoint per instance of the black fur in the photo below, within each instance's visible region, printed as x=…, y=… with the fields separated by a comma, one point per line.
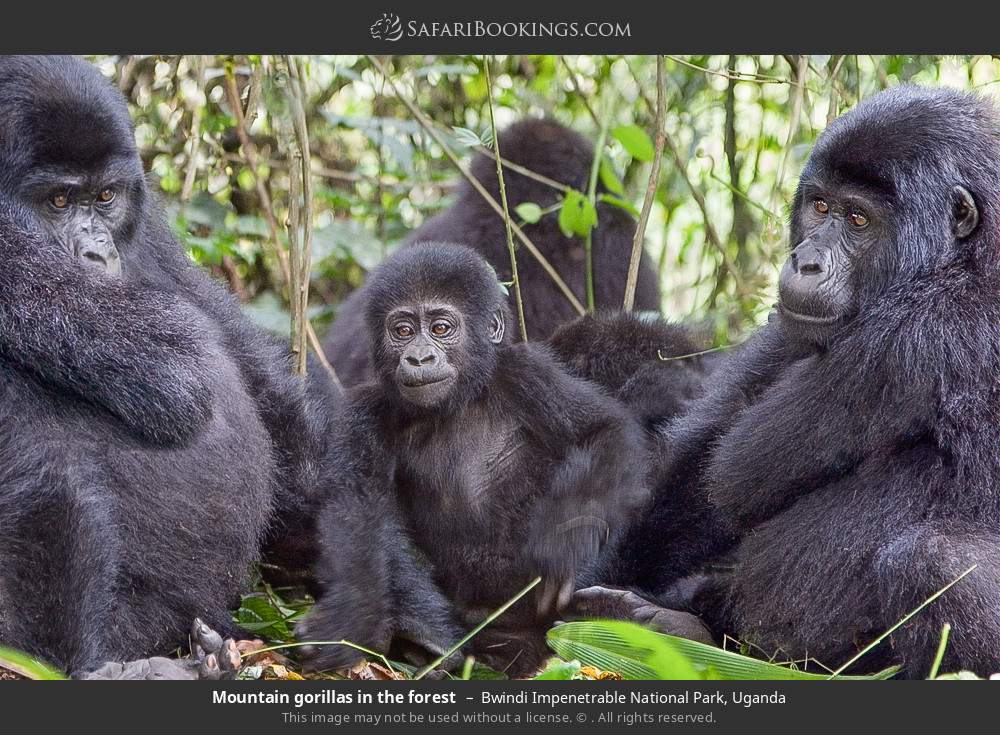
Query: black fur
x=647, y=363
x=443, y=513
x=147, y=428
x=550, y=149
x=861, y=470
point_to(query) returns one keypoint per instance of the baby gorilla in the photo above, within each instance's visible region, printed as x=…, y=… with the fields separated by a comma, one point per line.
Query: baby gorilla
x=471, y=466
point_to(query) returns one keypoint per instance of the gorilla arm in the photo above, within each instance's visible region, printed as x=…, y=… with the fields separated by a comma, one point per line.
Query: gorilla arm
x=135, y=352
x=376, y=585
x=599, y=477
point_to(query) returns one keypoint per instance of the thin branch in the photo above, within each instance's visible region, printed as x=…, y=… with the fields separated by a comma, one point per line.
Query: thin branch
x=595, y=168
x=506, y=211
x=477, y=185
x=195, y=137
x=710, y=234
x=579, y=92
x=654, y=180
x=736, y=76
x=250, y=150
x=517, y=168
x=297, y=97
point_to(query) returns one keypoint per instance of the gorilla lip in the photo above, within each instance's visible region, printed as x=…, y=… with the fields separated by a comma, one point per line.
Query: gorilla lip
x=809, y=318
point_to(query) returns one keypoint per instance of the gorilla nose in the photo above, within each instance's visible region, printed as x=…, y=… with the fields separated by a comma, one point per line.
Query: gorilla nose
x=421, y=359
x=809, y=260
x=101, y=254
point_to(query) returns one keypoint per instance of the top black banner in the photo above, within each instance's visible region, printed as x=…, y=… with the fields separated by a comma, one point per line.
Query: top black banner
x=396, y=27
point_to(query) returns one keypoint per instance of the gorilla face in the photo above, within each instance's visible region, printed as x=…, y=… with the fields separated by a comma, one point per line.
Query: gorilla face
x=430, y=344
x=83, y=214
x=423, y=336
x=840, y=225
x=70, y=156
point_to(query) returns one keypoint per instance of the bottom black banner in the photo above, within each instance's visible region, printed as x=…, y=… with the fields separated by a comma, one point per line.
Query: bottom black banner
x=400, y=706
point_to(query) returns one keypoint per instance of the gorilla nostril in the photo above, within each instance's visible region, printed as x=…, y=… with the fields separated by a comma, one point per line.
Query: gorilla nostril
x=810, y=269
x=95, y=257
x=428, y=360
x=410, y=360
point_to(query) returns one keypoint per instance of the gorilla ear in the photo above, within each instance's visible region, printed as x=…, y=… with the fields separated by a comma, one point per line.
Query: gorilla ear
x=964, y=213
x=497, y=327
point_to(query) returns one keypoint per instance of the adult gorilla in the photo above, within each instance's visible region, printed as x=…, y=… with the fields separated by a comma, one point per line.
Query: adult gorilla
x=146, y=426
x=854, y=444
x=552, y=150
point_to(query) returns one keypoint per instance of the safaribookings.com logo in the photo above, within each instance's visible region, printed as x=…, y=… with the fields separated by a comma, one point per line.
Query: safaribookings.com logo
x=390, y=28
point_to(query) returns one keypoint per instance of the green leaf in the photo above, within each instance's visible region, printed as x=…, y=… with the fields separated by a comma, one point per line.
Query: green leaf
x=625, y=648
x=28, y=666
x=636, y=141
x=610, y=179
x=577, y=215
x=638, y=653
x=467, y=138
x=560, y=670
x=620, y=203
x=529, y=212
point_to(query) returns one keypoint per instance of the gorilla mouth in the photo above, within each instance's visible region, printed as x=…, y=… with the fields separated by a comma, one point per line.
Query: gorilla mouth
x=814, y=319
x=425, y=383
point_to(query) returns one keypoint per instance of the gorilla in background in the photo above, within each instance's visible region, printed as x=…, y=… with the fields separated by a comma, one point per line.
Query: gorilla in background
x=470, y=466
x=552, y=150
x=148, y=429
x=652, y=366
x=854, y=444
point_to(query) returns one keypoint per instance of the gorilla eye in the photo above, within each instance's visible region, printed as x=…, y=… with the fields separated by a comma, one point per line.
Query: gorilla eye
x=859, y=220
x=106, y=195
x=59, y=201
x=821, y=206
x=403, y=331
x=440, y=329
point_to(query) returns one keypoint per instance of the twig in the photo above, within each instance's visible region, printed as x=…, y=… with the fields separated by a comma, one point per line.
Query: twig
x=737, y=76
x=195, y=136
x=595, y=168
x=654, y=180
x=297, y=97
x=477, y=185
x=517, y=168
x=903, y=621
x=506, y=211
x=475, y=631
x=250, y=150
x=793, y=126
x=699, y=199
x=579, y=92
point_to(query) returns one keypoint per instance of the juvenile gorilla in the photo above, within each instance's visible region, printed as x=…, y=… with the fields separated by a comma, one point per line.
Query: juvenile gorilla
x=146, y=429
x=853, y=444
x=552, y=150
x=475, y=465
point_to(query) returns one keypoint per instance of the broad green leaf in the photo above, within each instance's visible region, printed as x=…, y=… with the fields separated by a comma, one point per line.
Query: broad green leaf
x=577, y=215
x=636, y=141
x=28, y=666
x=625, y=648
x=638, y=653
x=529, y=212
x=610, y=179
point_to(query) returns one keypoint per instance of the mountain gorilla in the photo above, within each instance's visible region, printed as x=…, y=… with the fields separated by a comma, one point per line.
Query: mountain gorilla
x=652, y=366
x=146, y=428
x=553, y=150
x=470, y=466
x=853, y=443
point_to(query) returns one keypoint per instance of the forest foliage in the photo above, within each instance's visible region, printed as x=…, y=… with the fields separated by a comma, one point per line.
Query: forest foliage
x=738, y=128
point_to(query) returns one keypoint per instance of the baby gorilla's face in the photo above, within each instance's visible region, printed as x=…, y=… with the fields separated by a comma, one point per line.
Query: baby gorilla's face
x=424, y=338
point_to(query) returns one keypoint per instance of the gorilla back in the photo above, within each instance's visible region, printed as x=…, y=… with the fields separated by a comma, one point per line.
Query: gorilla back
x=552, y=150
x=136, y=473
